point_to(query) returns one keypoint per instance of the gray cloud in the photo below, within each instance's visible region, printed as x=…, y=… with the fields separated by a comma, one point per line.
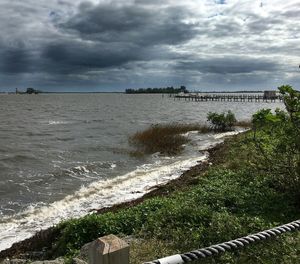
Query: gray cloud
x=116, y=44
x=14, y=60
x=72, y=57
x=134, y=24
x=112, y=36
x=229, y=65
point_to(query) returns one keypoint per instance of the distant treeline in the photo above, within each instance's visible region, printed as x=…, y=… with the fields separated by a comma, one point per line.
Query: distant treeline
x=169, y=90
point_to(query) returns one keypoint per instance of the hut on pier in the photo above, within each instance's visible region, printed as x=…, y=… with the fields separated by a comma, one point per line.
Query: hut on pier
x=269, y=95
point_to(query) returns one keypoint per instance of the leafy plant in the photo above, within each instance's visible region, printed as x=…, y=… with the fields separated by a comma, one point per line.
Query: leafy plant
x=223, y=121
x=277, y=141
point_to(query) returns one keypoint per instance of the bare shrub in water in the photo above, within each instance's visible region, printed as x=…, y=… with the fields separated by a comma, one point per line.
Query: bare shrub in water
x=166, y=139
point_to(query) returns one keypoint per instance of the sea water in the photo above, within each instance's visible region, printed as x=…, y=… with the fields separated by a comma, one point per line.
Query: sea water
x=65, y=155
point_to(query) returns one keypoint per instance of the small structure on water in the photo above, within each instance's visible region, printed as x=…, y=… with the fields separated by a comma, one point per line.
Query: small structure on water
x=28, y=91
x=31, y=91
x=270, y=95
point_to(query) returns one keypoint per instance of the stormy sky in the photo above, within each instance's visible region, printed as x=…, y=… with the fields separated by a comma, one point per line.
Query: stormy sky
x=110, y=45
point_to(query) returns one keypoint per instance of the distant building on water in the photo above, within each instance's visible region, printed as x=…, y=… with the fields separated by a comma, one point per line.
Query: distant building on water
x=28, y=91
x=270, y=95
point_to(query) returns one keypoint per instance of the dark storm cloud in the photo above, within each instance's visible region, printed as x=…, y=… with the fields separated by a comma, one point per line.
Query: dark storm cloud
x=80, y=57
x=111, y=36
x=14, y=59
x=135, y=24
x=67, y=57
x=97, y=37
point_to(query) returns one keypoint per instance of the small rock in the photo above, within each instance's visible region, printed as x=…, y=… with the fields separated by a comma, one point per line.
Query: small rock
x=84, y=252
x=78, y=261
x=19, y=261
x=15, y=261
x=55, y=261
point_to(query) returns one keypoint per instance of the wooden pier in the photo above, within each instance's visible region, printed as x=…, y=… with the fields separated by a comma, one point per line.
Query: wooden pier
x=227, y=98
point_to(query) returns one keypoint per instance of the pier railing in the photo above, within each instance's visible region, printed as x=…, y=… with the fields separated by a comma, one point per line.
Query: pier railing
x=228, y=98
x=112, y=250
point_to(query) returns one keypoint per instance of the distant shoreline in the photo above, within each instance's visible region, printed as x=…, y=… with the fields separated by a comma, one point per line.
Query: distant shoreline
x=137, y=92
x=10, y=93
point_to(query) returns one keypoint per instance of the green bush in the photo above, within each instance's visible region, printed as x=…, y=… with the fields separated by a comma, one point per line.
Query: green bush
x=221, y=122
x=277, y=141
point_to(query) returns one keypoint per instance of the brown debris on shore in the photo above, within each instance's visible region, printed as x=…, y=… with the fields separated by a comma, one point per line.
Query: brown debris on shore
x=36, y=246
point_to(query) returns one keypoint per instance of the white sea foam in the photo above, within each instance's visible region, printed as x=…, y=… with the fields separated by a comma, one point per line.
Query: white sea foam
x=230, y=133
x=103, y=193
x=97, y=195
x=57, y=122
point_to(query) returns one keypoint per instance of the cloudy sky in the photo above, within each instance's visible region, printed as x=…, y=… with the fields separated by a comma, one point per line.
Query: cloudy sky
x=110, y=45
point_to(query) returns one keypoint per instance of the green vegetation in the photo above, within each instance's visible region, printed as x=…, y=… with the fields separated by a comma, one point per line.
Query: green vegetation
x=253, y=185
x=277, y=140
x=228, y=201
x=166, y=139
x=168, y=90
x=221, y=122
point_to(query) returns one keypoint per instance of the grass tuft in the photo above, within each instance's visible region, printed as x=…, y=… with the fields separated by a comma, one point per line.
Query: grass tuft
x=164, y=138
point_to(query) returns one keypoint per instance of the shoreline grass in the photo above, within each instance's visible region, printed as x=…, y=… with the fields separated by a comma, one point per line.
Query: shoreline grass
x=169, y=138
x=164, y=138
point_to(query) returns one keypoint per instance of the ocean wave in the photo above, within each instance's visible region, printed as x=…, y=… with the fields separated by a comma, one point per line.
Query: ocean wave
x=103, y=193
x=92, y=167
x=65, y=138
x=226, y=134
x=57, y=122
x=18, y=158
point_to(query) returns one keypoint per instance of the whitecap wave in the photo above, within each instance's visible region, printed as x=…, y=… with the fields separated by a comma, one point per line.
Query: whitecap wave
x=230, y=133
x=57, y=122
x=103, y=193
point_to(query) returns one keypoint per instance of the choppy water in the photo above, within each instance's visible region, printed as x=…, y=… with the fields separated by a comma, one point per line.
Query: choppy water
x=62, y=155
